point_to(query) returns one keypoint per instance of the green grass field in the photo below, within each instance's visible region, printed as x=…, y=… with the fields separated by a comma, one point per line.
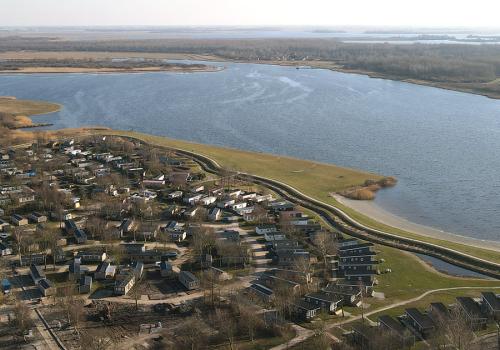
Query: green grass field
x=315, y=179
x=411, y=277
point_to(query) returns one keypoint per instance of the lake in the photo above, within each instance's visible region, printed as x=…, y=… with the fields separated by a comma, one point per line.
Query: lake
x=443, y=146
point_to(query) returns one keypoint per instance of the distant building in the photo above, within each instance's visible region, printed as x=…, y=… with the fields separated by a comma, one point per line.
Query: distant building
x=123, y=286
x=46, y=287
x=36, y=273
x=18, y=220
x=472, y=312
x=189, y=280
x=491, y=305
x=85, y=284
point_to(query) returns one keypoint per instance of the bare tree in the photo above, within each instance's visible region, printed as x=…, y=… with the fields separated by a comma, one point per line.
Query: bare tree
x=22, y=320
x=325, y=244
x=191, y=334
x=222, y=321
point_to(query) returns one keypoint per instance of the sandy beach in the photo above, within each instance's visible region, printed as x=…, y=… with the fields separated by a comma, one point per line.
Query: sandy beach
x=374, y=211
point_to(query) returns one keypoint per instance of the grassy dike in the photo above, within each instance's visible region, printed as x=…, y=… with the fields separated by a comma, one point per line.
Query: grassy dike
x=312, y=178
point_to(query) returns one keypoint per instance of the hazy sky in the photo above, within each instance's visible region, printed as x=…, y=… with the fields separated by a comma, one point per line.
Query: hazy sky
x=251, y=12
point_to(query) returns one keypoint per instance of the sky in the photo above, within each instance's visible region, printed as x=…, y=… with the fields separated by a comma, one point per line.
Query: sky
x=461, y=13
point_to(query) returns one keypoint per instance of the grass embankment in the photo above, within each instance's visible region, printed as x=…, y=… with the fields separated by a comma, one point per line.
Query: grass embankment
x=315, y=179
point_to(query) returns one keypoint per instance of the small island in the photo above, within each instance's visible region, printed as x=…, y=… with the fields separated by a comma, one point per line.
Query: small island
x=100, y=65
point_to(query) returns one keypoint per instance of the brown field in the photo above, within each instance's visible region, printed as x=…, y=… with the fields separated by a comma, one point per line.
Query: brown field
x=17, y=107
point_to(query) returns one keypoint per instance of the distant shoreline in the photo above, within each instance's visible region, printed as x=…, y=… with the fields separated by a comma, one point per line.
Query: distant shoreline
x=313, y=64
x=64, y=70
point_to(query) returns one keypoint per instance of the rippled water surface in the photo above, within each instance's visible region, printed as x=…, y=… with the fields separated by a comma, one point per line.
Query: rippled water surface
x=443, y=146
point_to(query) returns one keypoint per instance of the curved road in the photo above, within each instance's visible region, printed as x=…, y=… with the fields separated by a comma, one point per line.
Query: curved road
x=341, y=221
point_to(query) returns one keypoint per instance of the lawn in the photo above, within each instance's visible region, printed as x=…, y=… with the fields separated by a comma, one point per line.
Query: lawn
x=312, y=178
x=411, y=277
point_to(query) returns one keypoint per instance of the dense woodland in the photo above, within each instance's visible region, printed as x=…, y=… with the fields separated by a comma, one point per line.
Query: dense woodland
x=432, y=62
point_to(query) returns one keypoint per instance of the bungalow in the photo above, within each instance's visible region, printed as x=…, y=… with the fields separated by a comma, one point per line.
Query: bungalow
x=91, y=256
x=304, y=310
x=189, y=280
x=153, y=183
x=171, y=211
x=472, y=313
x=327, y=302
x=228, y=235
x=46, y=287
x=244, y=211
x=275, y=281
x=138, y=269
x=85, y=284
x=265, y=229
x=36, y=273
x=208, y=200
x=285, y=244
x=350, y=295
x=166, y=269
x=263, y=198
x=18, y=220
x=148, y=230
x=438, y=313
x=290, y=257
x=262, y=292
x=123, y=286
x=5, y=250
x=80, y=236
x=363, y=335
x=131, y=248
x=4, y=226
x=274, y=236
x=59, y=255
x=174, y=195
x=225, y=203
x=219, y=274
x=150, y=256
x=104, y=271
x=191, y=212
x=70, y=226
x=291, y=214
x=22, y=198
x=126, y=226
x=33, y=259
x=214, y=214
x=177, y=235
x=248, y=196
x=421, y=323
x=239, y=205
x=192, y=199
x=401, y=335
x=62, y=215
x=278, y=206
x=491, y=305
x=75, y=270
x=37, y=217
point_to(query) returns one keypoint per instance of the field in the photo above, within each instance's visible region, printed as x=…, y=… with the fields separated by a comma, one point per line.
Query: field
x=317, y=180
x=17, y=107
